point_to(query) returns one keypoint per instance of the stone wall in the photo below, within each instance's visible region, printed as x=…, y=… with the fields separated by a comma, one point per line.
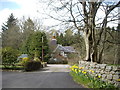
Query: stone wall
x=108, y=73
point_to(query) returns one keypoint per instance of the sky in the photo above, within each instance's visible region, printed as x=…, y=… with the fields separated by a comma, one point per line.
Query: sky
x=26, y=8
x=8, y=4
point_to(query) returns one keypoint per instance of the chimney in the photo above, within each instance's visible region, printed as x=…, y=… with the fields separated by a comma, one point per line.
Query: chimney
x=54, y=41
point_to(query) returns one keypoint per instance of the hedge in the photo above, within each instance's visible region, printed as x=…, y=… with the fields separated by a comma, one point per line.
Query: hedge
x=58, y=62
x=32, y=65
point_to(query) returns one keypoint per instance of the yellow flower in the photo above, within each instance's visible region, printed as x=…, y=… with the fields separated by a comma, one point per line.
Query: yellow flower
x=82, y=71
x=92, y=71
x=72, y=69
x=79, y=67
x=99, y=76
x=75, y=70
x=79, y=71
x=85, y=72
x=96, y=75
x=118, y=80
x=82, y=67
x=75, y=66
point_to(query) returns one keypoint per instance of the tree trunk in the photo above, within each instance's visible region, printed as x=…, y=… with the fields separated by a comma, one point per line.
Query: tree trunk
x=87, y=44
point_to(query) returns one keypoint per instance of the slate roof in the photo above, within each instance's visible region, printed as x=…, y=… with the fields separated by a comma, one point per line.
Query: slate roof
x=67, y=49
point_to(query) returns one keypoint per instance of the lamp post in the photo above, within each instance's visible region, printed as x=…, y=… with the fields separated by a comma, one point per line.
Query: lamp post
x=42, y=49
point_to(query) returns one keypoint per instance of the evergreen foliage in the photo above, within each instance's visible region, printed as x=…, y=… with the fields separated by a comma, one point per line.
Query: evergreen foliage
x=9, y=56
x=10, y=23
x=34, y=45
x=11, y=36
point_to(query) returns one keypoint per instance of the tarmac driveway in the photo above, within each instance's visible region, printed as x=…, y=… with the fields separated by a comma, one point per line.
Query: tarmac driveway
x=53, y=76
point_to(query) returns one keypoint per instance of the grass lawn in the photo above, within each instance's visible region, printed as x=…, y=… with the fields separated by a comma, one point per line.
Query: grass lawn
x=89, y=82
x=79, y=80
x=12, y=67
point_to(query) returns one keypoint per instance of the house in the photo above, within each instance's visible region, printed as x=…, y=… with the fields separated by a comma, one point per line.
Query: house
x=64, y=50
x=59, y=51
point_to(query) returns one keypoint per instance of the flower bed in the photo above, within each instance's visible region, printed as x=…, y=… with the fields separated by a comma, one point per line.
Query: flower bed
x=83, y=77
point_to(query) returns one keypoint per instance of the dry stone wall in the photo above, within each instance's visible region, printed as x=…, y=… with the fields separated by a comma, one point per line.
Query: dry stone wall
x=108, y=73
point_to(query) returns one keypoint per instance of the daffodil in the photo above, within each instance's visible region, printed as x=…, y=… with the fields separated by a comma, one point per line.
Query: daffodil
x=72, y=69
x=79, y=71
x=82, y=67
x=99, y=76
x=92, y=71
x=118, y=80
x=75, y=70
x=82, y=71
x=85, y=72
x=96, y=75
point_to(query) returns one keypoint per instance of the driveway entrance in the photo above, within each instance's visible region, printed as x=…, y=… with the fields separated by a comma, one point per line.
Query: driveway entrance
x=53, y=76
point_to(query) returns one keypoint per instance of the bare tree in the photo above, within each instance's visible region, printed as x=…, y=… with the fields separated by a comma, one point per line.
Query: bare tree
x=84, y=14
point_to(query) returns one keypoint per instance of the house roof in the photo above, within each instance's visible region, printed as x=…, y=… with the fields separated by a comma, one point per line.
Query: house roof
x=67, y=49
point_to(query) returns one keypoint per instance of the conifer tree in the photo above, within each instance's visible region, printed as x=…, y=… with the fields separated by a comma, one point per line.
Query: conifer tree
x=11, y=33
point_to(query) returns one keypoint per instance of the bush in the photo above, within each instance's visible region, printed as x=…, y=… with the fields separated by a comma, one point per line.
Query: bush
x=58, y=62
x=32, y=65
x=65, y=62
x=24, y=60
x=9, y=56
x=37, y=59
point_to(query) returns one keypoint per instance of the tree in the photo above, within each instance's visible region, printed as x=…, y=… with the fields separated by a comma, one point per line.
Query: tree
x=83, y=14
x=34, y=45
x=9, y=56
x=66, y=39
x=45, y=47
x=28, y=27
x=11, y=33
x=60, y=38
x=27, y=30
x=10, y=22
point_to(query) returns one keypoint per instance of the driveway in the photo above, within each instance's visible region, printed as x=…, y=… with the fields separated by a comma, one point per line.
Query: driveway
x=53, y=76
x=56, y=68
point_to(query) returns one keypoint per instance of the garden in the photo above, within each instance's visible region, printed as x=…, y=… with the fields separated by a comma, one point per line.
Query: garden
x=33, y=47
x=82, y=76
x=12, y=63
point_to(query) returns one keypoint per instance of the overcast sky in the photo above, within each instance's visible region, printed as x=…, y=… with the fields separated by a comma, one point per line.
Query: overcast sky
x=26, y=8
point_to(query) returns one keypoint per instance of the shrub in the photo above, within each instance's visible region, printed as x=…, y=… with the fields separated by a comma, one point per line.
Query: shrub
x=58, y=62
x=46, y=57
x=64, y=62
x=24, y=60
x=9, y=56
x=32, y=65
x=37, y=59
